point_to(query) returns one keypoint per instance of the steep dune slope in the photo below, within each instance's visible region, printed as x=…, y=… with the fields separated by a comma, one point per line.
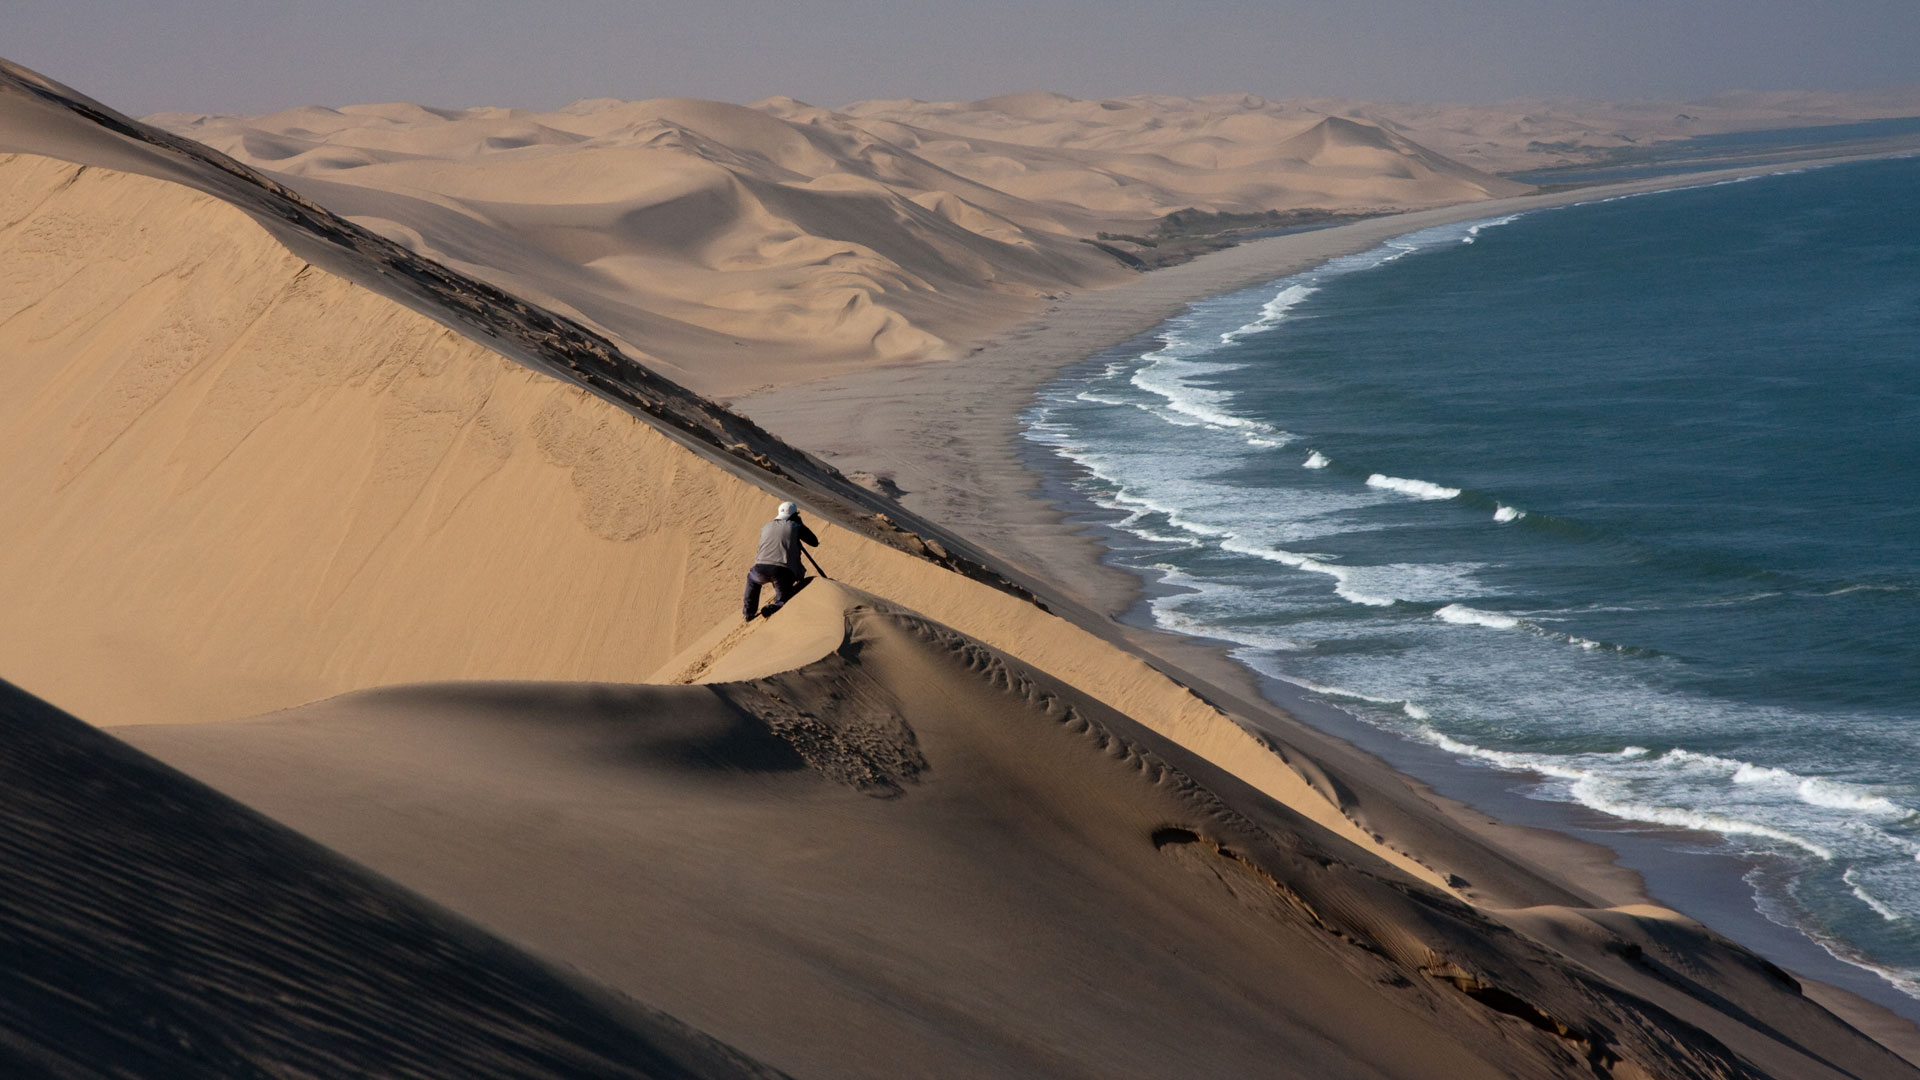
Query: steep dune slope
x=285, y=486
x=153, y=927
x=958, y=866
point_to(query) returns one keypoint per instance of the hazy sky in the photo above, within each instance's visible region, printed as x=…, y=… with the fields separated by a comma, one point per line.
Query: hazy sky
x=254, y=56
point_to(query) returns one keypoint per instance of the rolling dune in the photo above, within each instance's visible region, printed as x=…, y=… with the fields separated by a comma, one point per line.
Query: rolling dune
x=711, y=238
x=1230, y=131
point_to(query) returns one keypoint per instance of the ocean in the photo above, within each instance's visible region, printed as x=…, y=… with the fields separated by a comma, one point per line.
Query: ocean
x=1618, y=501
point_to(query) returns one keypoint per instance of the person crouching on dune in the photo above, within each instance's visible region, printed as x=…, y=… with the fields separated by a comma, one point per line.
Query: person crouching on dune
x=777, y=562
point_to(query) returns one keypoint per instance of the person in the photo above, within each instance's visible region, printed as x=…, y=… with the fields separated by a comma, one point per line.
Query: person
x=777, y=561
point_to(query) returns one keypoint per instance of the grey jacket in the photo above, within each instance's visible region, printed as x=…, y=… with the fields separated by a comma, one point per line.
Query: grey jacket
x=780, y=544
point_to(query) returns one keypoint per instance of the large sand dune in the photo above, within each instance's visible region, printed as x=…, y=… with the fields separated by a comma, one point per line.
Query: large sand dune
x=704, y=236
x=258, y=456
x=709, y=238
x=1231, y=131
x=914, y=855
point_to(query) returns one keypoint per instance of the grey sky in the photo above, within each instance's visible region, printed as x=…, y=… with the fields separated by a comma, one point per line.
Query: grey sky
x=253, y=56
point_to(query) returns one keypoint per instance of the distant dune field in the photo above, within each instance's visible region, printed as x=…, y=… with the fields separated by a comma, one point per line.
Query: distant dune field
x=736, y=247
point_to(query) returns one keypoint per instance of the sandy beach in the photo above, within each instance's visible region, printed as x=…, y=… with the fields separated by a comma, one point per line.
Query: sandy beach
x=404, y=612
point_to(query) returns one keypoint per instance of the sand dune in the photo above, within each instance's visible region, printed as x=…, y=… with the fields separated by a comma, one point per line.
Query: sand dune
x=710, y=238
x=243, y=482
x=958, y=866
x=705, y=236
x=1537, y=134
x=154, y=927
x=938, y=820
x=1233, y=130
x=700, y=235
x=1125, y=163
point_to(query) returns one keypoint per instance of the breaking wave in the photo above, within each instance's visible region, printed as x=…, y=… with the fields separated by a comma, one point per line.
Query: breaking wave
x=1419, y=489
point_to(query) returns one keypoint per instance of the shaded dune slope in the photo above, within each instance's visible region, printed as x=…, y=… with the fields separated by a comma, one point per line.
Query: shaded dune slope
x=917, y=854
x=154, y=927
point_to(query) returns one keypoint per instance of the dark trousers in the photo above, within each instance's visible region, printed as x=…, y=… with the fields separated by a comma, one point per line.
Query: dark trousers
x=779, y=577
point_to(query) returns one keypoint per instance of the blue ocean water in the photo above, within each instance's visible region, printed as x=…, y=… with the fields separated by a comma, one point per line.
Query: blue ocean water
x=1622, y=498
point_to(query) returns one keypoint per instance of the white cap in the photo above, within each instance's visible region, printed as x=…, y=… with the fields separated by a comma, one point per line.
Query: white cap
x=787, y=510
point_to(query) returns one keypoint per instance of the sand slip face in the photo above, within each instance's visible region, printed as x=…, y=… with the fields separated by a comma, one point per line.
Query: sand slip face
x=915, y=855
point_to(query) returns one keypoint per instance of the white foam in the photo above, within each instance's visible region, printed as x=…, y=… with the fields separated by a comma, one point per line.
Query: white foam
x=1419, y=489
x=1339, y=692
x=1315, y=460
x=1473, y=231
x=1165, y=377
x=1593, y=792
x=1273, y=311
x=1819, y=791
x=1597, y=791
x=1465, y=616
x=1834, y=795
x=1504, y=514
x=1540, y=764
x=1861, y=894
x=1375, y=585
x=1748, y=773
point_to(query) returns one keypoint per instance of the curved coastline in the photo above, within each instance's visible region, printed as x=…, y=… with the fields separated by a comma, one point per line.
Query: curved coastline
x=949, y=435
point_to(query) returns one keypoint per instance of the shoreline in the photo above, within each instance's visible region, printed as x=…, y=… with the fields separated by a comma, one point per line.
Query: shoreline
x=947, y=432
x=949, y=435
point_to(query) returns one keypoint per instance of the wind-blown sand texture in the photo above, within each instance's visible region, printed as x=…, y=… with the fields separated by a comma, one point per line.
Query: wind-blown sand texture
x=920, y=823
